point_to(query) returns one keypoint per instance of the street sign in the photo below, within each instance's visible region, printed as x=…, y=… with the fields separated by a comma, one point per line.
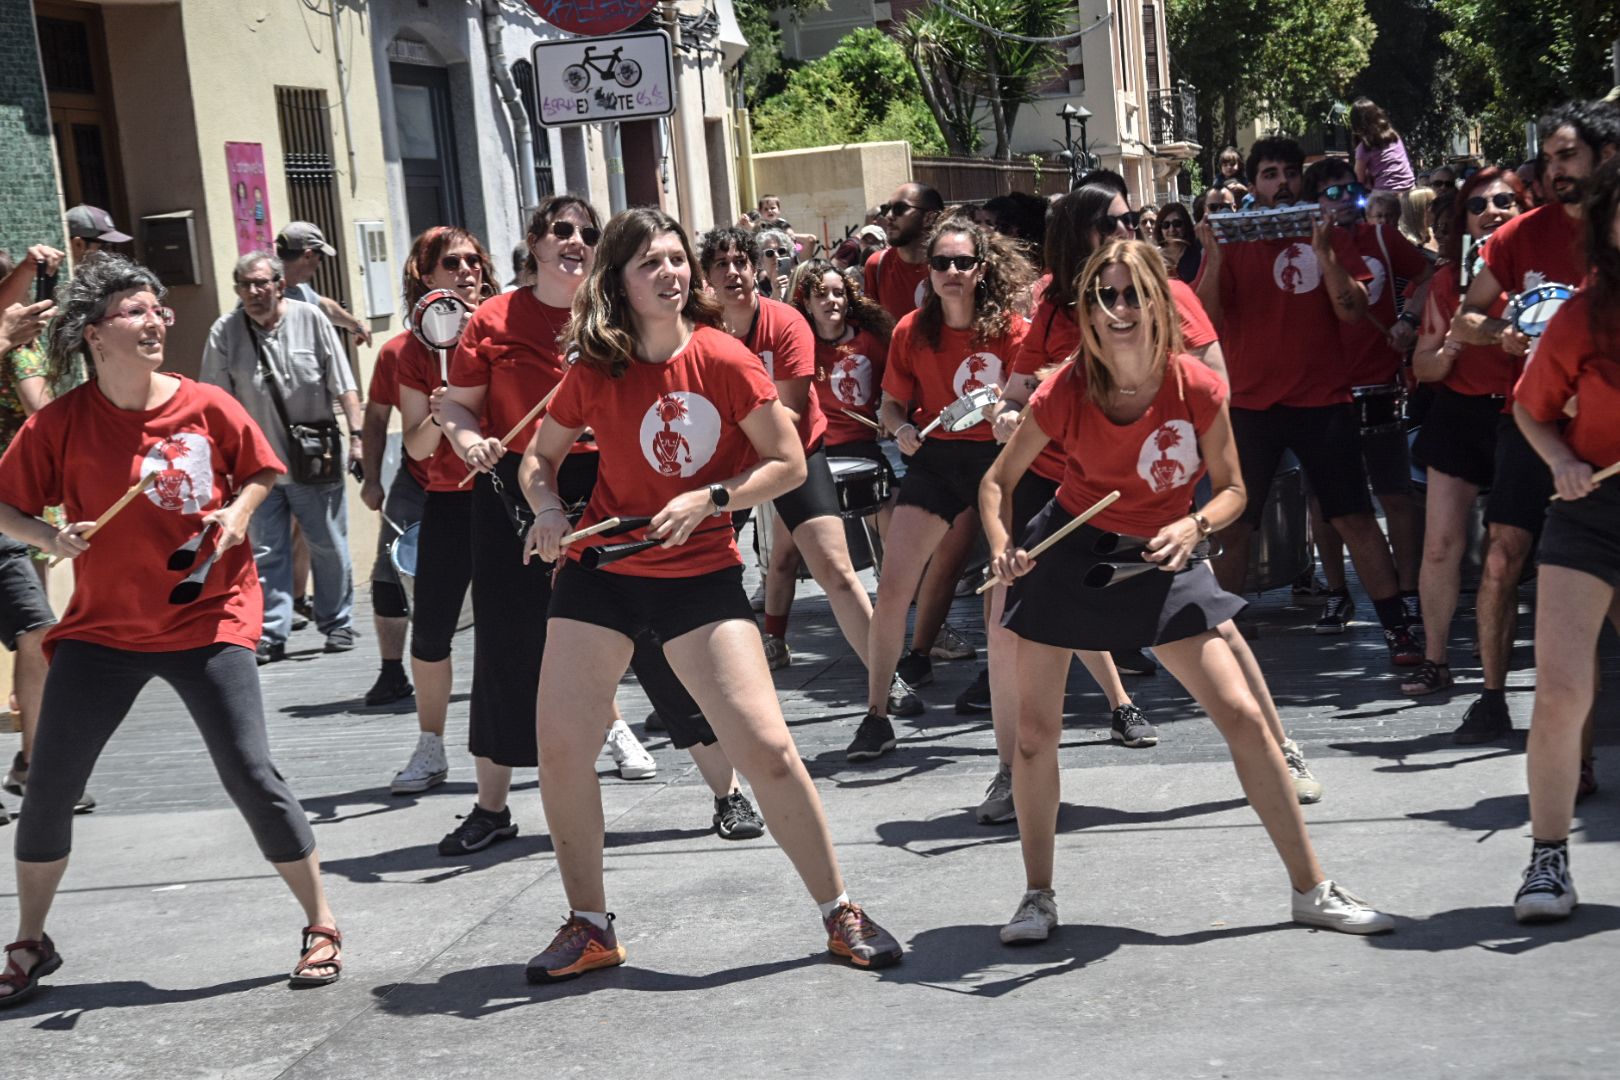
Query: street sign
x=593, y=18
x=590, y=80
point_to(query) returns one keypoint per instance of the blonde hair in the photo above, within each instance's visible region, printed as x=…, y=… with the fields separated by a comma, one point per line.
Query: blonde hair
x=1146, y=268
x=1415, y=215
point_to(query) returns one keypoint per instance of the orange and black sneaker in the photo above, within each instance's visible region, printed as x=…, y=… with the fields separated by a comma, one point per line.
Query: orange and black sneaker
x=854, y=936
x=578, y=947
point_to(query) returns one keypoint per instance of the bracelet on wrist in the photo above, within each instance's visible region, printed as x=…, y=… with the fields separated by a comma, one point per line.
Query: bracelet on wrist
x=551, y=509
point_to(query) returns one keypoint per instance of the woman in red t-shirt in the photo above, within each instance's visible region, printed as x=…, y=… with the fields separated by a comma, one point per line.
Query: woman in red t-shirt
x=1456, y=446
x=689, y=428
x=1576, y=361
x=443, y=257
x=1134, y=415
x=207, y=468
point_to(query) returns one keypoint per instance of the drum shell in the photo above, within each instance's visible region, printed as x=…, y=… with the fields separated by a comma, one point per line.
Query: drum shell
x=402, y=554
x=1379, y=408
x=863, y=486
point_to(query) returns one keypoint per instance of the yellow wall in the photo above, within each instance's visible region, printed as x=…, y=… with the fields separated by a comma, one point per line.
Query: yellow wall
x=828, y=189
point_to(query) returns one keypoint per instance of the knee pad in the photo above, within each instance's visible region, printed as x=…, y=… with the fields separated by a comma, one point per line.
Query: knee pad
x=388, y=600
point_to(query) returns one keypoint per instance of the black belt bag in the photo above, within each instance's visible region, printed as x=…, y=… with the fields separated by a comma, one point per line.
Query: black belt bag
x=315, y=447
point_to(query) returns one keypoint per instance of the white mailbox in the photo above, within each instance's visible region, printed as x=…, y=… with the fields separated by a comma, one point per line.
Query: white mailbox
x=371, y=241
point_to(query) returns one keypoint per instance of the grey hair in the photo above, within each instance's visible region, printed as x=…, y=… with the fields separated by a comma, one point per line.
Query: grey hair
x=83, y=301
x=766, y=236
x=252, y=259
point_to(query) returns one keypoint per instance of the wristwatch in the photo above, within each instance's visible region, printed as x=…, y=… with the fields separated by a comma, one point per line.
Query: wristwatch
x=720, y=497
x=1204, y=528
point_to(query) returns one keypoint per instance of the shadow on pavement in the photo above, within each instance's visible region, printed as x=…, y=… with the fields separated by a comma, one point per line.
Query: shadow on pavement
x=1072, y=817
x=1494, y=930
x=66, y=1002
x=425, y=858
x=1596, y=822
x=327, y=809
x=1399, y=750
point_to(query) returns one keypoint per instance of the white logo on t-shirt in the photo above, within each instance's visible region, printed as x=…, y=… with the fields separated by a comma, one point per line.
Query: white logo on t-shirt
x=851, y=379
x=770, y=363
x=1534, y=279
x=920, y=294
x=977, y=371
x=1295, y=270
x=184, y=463
x=679, y=433
x=1169, y=456
x=1375, y=287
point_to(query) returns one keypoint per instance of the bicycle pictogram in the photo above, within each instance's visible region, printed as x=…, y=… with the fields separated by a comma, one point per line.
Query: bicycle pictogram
x=624, y=71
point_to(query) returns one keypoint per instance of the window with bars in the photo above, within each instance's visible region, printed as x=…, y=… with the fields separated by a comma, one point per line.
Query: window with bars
x=311, y=170
x=523, y=75
x=1150, y=43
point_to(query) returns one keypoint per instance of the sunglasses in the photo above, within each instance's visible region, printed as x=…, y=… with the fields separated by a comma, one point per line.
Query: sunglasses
x=942, y=263
x=1108, y=296
x=1110, y=223
x=1501, y=200
x=138, y=314
x=1335, y=192
x=776, y=253
x=1172, y=223
x=456, y=262
x=564, y=230
x=895, y=209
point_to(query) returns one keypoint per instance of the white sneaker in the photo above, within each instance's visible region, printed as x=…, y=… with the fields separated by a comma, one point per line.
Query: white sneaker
x=1333, y=907
x=1035, y=918
x=949, y=644
x=777, y=653
x=427, y=767
x=1307, y=788
x=632, y=758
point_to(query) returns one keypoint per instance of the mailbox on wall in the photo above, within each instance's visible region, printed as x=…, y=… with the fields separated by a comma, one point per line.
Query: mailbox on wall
x=169, y=246
x=371, y=241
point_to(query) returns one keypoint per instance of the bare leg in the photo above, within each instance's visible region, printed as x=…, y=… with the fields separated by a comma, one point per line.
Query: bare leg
x=1405, y=537
x=37, y=883
x=1369, y=551
x=913, y=536
x=391, y=636
x=1254, y=677
x=495, y=781
x=1232, y=565
x=1329, y=548
x=715, y=768
x=826, y=552
x=1002, y=645
x=939, y=583
x=1101, y=668
x=300, y=577
x=28, y=683
x=1497, y=604
x=434, y=680
x=782, y=574
x=304, y=879
x=1037, y=787
x=1445, y=542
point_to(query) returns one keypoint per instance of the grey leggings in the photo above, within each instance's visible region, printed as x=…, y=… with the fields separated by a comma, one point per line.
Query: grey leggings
x=90, y=690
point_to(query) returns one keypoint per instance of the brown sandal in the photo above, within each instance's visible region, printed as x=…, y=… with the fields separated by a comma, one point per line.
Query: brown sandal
x=330, y=938
x=25, y=984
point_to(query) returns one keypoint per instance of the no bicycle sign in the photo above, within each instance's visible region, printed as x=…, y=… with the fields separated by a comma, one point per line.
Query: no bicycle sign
x=589, y=80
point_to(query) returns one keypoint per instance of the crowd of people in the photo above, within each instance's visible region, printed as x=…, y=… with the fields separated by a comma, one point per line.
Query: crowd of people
x=1096, y=397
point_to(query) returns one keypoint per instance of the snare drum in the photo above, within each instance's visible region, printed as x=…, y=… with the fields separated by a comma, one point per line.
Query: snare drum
x=863, y=486
x=1379, y=408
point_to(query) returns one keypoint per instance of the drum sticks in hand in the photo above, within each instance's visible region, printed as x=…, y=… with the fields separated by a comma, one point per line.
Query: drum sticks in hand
x=1092, y=511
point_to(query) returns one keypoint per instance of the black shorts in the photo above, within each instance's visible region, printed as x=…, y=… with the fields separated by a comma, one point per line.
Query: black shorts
x=1522, y=485
x=1458, y=436
x=23, y=605
x=627, y=604
x=1584, y=535
x=1388, y=460
x=943, y=476
x=1325, y=438
x=816, y=497
x=1030, y=498
x=443, y=572
x=1053, y=605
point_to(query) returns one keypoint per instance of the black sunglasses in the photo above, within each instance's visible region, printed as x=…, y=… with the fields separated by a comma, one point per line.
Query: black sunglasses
x=456, y=262
x=895, y=209
x=964, y=263
x=1501, y=200
x=1108, y=296
x=776, y=253
x=563, y=230
x=1172, y=223
x=1335, y=192
x=1110, y=222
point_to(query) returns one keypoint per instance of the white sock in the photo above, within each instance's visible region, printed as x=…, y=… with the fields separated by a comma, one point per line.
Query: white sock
x=597, y=919
x=832, y=905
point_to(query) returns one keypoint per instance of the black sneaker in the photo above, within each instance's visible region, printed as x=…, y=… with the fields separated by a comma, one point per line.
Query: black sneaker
x=902, y=702
x=1336, y=613
x=736, y=819
x=17, y=778
x=1412, y=609
x=1485, y=721
x=1135, y=662
x=477, y=831
x=269, y=652
x=1131, y=728
x=1547, y=894
x=874, y=738
x=1404, y=650
x=654, y=722
x=976, y=698
x=916, y=668
x=391, y=685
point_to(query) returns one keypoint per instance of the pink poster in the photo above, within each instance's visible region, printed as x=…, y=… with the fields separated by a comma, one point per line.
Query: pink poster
x=250, y=203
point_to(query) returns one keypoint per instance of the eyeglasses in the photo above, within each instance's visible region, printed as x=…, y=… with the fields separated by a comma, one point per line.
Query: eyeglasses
x=1501, y=200
x=1108, y=296
x=564, y=230
x=942, y=263
x=140, y=312
x=776, y=253
x=257, y=284
x=895, y=209
x=1335, y=192
x=1173, y=223
x=456, y=262
x=1110, y=223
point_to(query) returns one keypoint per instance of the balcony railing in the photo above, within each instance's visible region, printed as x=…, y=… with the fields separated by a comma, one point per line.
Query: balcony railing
x=1173, y=114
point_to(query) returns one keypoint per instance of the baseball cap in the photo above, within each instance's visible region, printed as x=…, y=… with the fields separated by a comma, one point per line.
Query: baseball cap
x=301, y=236
x=94, y=223
x=874, y=231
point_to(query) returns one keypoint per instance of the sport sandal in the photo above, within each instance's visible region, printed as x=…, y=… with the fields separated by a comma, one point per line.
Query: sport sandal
x=25, y=984
x=316, y=939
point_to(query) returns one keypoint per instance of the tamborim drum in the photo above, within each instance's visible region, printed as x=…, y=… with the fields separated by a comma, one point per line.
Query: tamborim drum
x=863, y=485
x=964, y=412
x=1533, y=309
x=402, y=553
x=1378, y=408
x=438, y=319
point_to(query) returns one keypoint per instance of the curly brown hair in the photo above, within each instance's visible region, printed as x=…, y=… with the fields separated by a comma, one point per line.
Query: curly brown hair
x=864, y=313
x=429, y=248
x=1003, y=292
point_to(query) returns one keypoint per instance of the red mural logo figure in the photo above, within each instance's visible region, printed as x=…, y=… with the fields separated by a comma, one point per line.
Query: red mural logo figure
x=1167, y=471
x=847, y=379
x=176, y=487
x=976, y=363
x=1291, y=277
x=669, y=445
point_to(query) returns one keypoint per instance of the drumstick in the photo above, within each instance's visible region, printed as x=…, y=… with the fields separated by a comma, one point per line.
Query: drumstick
x=129, y=496
x=931, y=425
x=521, y=424
x=605, y=525
x=853, y=415
x=444, y=368
x=1597, y=477
x=1096, y=508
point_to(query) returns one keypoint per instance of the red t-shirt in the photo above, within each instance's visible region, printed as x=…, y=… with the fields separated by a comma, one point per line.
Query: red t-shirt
x=1054, y=336
x=1477, y=369
x=1389, y=255
x=83, y=453
x=933, y=378
x=1153, y=461
x=896, y=284
x=850, y=376
x=664, y=429
x=384, y=389
x=510, y=345
x=1539, y=247
x=1566, y=363
x=418, y=368
x=1281, y=338
x=782, y=337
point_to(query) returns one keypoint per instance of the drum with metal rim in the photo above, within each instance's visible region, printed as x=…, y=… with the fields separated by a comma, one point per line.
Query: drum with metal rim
x=964, y=412
x=1379, y=408
x=863, y=485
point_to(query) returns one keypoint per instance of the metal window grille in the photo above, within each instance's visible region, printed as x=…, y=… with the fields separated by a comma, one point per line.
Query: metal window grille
x=306, y=150
x=523, y=75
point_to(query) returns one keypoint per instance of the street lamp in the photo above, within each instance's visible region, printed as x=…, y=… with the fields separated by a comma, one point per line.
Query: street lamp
x=1079, y=159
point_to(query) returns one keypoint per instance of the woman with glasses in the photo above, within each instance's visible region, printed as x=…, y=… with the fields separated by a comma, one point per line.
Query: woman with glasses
x=962, y=339
x=1174, y=236
x=1456, y=447
x=203, y=468
x=690, y=429
x=1132, y=413
x=776, y=256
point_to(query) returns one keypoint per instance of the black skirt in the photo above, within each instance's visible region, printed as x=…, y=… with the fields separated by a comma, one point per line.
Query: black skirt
x=1584, y=534
x=1057, y=603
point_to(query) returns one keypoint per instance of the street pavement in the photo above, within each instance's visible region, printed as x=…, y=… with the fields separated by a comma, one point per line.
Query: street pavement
x=1176, y=957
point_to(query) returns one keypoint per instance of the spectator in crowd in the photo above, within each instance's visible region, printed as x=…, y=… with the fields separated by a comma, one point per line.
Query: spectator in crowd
x=1384, y=208
x=1415, y=217
x=776, y=262
x=1174, y=236
x=1381, y=161
x=90, y=228
x=1229, y=167
x=1022, y=217
x=522, y=276
x=293, y=344
x=1242, y=199
x=1442, y=210
x=1214, y=201
x=848, y=254
x=1147, y=225
x=1530, y=176
x=873, y=240
x=1445, y=176
x=300, y=247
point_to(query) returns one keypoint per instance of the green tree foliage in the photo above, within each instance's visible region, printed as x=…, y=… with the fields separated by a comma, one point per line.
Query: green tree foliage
x=1413, y=74
x=864, y=90
x=762, y=68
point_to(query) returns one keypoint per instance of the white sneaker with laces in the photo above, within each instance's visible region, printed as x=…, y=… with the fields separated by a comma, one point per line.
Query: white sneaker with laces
x=949, y=644
x=1307, y=788
x=1333, y=907
x=427, y=767
x=632, y=758
x=1034, y=920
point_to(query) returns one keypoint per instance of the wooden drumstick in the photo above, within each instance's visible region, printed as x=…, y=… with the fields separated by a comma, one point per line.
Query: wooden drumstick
x=521, y=424
x=931, y=425
x=1096, y=508
x=605, y=525
x=128, y=497
x=1597, y=477
x=858, y=418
